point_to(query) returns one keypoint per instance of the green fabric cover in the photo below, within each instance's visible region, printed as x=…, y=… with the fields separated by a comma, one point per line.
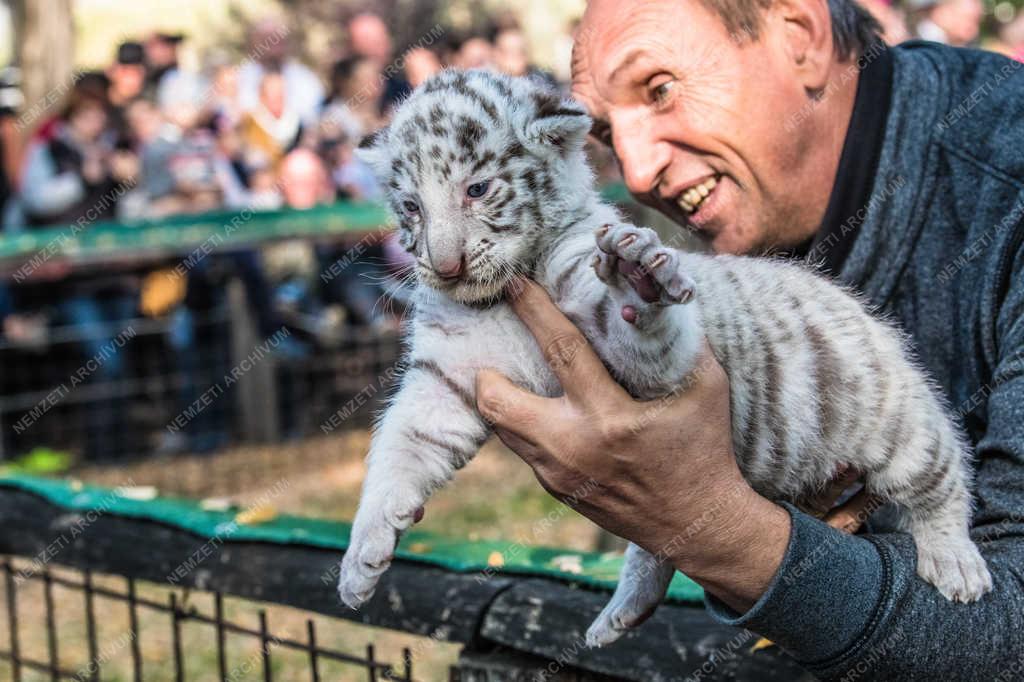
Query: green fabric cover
x=595, y=570
x=179, y=234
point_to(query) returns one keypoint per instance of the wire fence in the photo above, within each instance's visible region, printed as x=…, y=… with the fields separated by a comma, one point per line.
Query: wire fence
x=178, y=615
x=126, y=387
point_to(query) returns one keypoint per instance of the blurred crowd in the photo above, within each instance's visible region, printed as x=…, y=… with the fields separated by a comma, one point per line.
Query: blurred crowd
x=145, y=138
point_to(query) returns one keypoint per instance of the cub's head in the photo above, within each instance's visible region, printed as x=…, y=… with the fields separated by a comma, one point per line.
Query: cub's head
x=476, y=167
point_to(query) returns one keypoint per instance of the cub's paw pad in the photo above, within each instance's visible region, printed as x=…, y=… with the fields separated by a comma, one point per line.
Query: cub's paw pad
x=958, y=571
x=632, y=255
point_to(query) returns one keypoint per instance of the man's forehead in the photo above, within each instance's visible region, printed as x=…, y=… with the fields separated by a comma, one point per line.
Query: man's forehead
x=614, y=36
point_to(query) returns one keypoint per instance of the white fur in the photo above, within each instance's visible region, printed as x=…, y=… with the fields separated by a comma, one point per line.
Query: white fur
x=815, y=381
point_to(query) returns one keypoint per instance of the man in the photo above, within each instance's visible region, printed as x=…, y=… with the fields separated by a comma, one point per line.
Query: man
x=161, y=51
x=127, y=78
x=270, y=51
x=512, y=55
x=899, y=172
x=951, y=22
x=369, y=37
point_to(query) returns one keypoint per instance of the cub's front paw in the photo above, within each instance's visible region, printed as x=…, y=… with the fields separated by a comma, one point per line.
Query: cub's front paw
x=633, y=256
x=364, y=563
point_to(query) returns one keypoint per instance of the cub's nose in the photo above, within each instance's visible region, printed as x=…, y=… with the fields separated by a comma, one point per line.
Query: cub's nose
x=452, y=268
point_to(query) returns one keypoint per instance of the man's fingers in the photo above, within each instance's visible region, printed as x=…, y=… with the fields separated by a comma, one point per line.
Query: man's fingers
x=527, y=451
x=852, y=514
x=512, y=409
x=845, y=477
x=566, y=350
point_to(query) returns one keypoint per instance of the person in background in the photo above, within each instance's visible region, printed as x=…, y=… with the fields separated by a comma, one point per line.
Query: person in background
x=11, y=101
x=178, y=164
x=352, y=178
x=369, y=37
x=161, y=51
x=352, y=108
x=512, y=56
x=271, y=51
x=420, y=64
x=473, y=52
x=1009, y=39
x=75, y=175
x=273, y=127
x=223, y=105
x=950, y=22
x=127, y=78
x=304, y=180
x=890, y=18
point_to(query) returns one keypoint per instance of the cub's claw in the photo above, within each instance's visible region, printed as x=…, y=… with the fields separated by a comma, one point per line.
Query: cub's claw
x=632, y=255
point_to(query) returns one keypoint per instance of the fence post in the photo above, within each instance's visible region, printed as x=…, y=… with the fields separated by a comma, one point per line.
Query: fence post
x=256, y=388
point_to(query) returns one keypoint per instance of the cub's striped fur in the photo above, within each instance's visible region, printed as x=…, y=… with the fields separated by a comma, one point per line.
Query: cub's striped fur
x=488, y=180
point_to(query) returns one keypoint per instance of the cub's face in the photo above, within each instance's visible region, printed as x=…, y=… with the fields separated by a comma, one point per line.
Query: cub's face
x=468, y=163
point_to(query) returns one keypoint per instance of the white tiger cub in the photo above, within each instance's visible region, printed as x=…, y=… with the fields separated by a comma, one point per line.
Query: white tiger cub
x=488, y=180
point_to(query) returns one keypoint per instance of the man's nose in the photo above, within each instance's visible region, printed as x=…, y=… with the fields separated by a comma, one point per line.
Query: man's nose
x=643, y=157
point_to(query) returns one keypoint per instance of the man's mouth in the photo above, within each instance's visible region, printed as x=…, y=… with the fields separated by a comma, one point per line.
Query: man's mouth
x=690, y=199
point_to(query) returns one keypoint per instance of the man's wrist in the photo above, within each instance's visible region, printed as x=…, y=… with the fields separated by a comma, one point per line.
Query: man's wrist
x=739, y=549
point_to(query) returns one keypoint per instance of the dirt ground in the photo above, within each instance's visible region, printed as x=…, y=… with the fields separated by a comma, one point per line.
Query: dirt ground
x=494, y=498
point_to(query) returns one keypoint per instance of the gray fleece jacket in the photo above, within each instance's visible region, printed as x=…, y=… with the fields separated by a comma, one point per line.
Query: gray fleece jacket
x=940, y=249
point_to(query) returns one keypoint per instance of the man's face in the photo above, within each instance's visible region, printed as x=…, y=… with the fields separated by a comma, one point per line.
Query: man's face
x=128, y=79
x=511, y=55
x=960, y=19
x=706, y=129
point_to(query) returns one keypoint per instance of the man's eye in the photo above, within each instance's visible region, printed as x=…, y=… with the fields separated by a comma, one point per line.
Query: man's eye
x=477, y=190
x=411, y=206
x=662, y=91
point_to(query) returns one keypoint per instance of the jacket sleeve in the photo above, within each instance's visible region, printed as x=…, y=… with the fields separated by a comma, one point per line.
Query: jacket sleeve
x=853, y=608
x=44, y=191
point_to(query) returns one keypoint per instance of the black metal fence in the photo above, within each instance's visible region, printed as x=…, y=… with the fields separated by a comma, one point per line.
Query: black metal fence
x=92, y=658
x=131, y=387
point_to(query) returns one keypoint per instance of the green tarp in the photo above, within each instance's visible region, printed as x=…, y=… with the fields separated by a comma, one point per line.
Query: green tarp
x=180, y=234
x=582, y=568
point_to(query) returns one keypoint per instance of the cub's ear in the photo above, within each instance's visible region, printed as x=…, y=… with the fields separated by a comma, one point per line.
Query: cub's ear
x=559, y=125
x=372, y=150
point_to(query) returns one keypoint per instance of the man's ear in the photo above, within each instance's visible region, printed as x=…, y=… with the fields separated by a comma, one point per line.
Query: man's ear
x=806, y=27
x=556, y=125
x=371, y=150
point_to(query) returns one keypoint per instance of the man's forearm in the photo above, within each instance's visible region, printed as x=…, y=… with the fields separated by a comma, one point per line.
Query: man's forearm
x=737, y=548
x=852, y=608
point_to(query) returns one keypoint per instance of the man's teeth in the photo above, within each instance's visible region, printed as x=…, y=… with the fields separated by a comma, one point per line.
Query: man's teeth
x=693, y=197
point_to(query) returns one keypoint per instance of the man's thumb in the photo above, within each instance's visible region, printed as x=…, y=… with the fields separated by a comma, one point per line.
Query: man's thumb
x=507, y=406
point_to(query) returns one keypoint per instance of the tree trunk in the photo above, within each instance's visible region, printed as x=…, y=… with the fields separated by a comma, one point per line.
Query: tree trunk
x=44, y=39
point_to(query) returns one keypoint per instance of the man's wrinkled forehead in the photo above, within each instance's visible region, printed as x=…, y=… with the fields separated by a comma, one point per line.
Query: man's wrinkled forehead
x=615, y=36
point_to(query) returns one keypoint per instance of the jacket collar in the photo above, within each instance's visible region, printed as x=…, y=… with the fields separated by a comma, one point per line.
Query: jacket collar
x=904, y=181
x=858, y=163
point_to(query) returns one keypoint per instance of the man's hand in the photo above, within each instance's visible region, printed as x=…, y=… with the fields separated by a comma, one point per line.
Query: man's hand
x=661, y=474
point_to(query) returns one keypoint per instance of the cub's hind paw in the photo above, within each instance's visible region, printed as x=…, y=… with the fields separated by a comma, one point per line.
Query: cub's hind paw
x=365, y=561
x=622, y=613
x=957, y=570
x=634, y=256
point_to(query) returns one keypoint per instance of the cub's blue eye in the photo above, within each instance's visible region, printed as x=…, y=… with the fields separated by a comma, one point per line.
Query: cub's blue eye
x=478, y=190
x=411, y=206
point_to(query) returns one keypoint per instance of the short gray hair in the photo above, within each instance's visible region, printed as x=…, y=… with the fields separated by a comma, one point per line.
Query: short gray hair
x=854, y=30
